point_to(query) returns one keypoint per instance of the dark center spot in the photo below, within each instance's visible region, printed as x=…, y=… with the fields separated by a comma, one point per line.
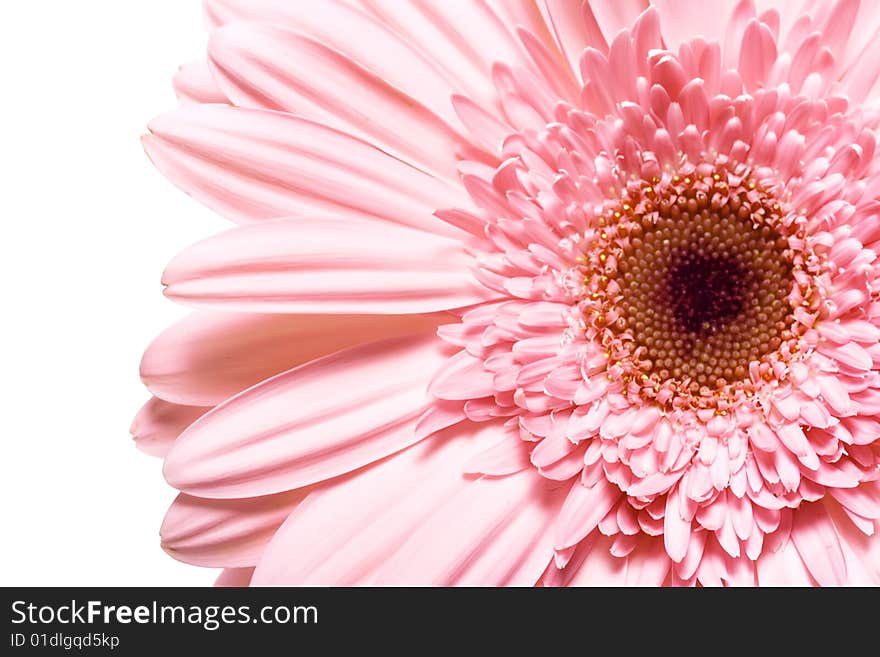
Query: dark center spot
x=704, y=292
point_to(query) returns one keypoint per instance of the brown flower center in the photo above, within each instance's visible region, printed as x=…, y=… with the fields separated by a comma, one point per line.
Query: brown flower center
x=704, y=293
x=689, y=283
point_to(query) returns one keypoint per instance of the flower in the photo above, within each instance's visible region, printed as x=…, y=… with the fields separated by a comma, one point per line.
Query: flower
x=526, y=292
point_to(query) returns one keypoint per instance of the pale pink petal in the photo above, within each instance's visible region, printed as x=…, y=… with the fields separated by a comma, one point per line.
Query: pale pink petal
x=783, y=567
x=575, y=27
x=355, y=33
x=483, y=127
x=528, y=14
x=648, y=564
x=344, y=531
x=254, y=164
x=329, y=265
x=440, y=415
x=464, y=39
x=583, y=509
x=614, y=15
x=676, y=530
x=682, y=20
x=863, y=500
x=860, y=81
x=265, y=67
x=496, y=531
x=322, y=419
x=462, y=377
x=194, y=83
x=208, y=357
x=816, y=540
x=158, y=424
x=600, y=567
x=509, y=455
x=235, y=577
x=225, y=533
x=861, y=551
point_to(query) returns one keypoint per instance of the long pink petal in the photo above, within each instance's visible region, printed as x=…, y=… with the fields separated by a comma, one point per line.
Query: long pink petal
x=344, y=531
x=507, y=456
x=575, y=27
x=528, y=14
x=676, y=530
x=583, y=509
x=813, y=535
x=862, y=552
x=193, y=83
x=225, y=533
x=464, y=39
x=495, y=532
x=254, y=164
x=863, y=500
x=208, y=357
x=615, y=15
x=330, y=265
x=323, y=419
x=158, y=424
x=462, y=377
x=600, y=567
x=784, y=567
x=648, y=564
x=682, y=20
x=265, y=67
x=235, y=577
x=355, y=33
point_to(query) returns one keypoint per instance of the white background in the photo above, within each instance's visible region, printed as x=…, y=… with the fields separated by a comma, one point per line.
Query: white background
x=87, y=227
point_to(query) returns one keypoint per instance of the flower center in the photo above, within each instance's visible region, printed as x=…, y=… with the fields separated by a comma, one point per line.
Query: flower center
x=704, y=294
x=704, y=291
x=690, y=284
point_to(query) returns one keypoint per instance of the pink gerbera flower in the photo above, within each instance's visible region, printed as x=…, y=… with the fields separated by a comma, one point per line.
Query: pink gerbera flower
x=526, y=291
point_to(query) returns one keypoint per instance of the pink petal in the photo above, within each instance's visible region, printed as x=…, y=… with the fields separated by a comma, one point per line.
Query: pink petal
x=346, y=530
x=579, y=25
x=253, y=164
x=648, y=564
x=235, y=577
x=208, y=357
x=863, y=500
x=583, y=509
x=861, y=551
x=682, y=20
x=358, y=35
x=463, y=39
x=265, y=67
x=225, y=533
x=676, y=530
x=784, y=567
x=194, y=83
x=158, y=424
x=462, y=377
x=484, y=128
x=497, y=531
x=507, y=456
x=550, y=450
x=329, y=265
x=439, y=415
x=600, y=567
x=559, y=78
x=816, y=540
x=757, y=55
x=319, y=420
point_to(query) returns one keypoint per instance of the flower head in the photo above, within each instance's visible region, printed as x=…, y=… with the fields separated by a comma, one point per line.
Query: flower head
x=534, y=292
